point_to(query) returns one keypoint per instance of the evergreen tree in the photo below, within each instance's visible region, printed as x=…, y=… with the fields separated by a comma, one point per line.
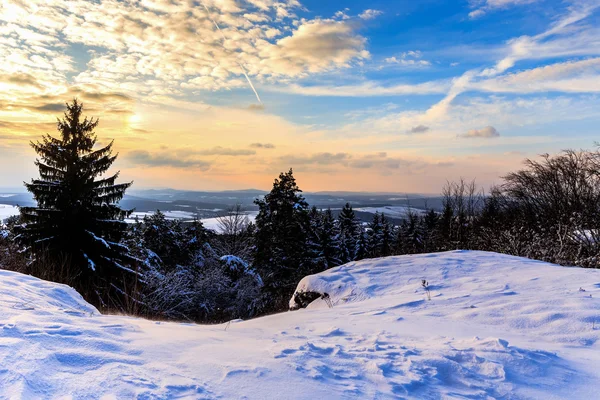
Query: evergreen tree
x=362, y=245
x=445, y=223
x=387, y=234
x=281, y=252
x=174, y=242
x=330, y=240
x=429, y=224
x=413, y=241
x=77, y=217
x=315, y=245
x=375, y=236
x=349, y=230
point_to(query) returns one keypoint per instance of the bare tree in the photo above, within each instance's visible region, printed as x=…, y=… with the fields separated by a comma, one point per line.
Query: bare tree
x=235, y=233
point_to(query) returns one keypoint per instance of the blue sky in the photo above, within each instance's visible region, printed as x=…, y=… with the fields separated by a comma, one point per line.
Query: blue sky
x=380, y=96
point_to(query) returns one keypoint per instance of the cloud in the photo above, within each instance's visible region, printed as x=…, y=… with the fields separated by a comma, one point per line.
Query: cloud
x=379, y=160
x=485, y=6
x=106, y=97
x=142, y=157
x=256, y=107
x=132, y=48
x=262, y=145
x=367, y=89
x=21, y=79
x=370, y=14
x=318, y=158
x=52, y=107
x=487, y=132
x=222, y=151
x=316, y=46
x=581, y=76
x=409, y=59
x=565, y=37
x=419, y=129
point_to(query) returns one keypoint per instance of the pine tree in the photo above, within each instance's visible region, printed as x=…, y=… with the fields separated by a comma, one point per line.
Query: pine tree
x=375, y=236
x=362, y=245
x=330, y=240
x=348, y=229
x=411, y=234
x=77, y=217
x=387, y=234
x=315, y=245
x=429, y=224
x=281, y=251
x=445, y=223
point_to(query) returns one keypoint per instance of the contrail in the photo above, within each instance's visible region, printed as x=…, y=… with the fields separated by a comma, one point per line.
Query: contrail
x=238, y=63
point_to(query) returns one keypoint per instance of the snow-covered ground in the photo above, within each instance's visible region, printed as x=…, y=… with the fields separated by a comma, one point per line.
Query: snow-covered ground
x=213, y=223
x=496, y=327
x=183, y=215
x=209, y=223
x=397, y=212
x=7, y=211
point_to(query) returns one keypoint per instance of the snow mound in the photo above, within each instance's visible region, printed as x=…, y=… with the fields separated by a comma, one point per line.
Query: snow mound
x=26, y=293
x=521, y=295
x=495, y=327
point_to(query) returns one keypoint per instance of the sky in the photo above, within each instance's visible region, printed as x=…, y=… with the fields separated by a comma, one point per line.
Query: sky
x=384, y=95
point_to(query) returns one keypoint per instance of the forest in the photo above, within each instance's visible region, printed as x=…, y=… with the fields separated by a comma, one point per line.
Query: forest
x=548, y=209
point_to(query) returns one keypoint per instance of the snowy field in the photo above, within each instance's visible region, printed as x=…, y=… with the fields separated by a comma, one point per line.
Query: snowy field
x=496, y=327
x=213, y=223
x=209, y=223
x=7, y=211
x=182, y=215
x=398, y=212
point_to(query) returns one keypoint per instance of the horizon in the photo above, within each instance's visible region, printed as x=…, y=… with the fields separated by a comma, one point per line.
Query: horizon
x=133, y=189
x=225, y=95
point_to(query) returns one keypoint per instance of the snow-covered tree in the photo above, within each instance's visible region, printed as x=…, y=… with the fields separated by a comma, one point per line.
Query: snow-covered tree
x=375, y=236
x=281, y=253
x=330, y=240
x=77, y=217
x=324, y=240
x=349, y=227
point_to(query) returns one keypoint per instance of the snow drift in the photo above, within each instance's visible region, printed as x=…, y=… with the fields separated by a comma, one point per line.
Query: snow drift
x=496, y=326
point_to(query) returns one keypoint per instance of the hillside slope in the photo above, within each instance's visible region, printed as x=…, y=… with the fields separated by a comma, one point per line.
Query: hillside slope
x=495, y=327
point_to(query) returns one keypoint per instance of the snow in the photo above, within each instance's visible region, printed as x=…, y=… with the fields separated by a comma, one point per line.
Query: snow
x=398, y=212
x=183, y=215
x=7, y=211
x=209, y=223
x=213, y=223
x=496, y=326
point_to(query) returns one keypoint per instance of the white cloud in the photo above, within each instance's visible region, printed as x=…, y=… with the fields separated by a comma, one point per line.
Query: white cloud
x=370, y=14
x=409, y=59
x=315, y=46
x=134, y=47
x=487, y=133
x=368, y=89
x=581, y=76
x=484, y=6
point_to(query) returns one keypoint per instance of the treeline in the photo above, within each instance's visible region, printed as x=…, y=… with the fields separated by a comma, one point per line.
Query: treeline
x=161, y=268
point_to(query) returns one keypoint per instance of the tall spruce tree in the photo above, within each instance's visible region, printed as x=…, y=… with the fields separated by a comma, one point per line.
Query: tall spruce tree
x=77, y=217
x=281, y=251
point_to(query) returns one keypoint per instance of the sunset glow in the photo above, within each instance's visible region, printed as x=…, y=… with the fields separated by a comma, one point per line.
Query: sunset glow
x=225, y=94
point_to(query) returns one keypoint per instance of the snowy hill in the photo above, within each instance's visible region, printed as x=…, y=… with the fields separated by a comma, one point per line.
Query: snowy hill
x=495, y=327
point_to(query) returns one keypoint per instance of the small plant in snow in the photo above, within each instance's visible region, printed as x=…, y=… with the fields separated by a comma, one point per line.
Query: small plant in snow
x=425, y=285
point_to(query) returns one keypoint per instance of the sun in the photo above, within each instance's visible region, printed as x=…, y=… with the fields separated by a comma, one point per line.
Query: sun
x=135, y=118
